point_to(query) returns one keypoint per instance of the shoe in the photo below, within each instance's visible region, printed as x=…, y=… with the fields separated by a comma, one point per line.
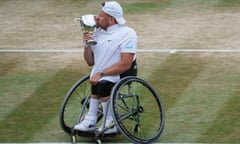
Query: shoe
x=88, y=124
x=112, y=130
x=111, y=127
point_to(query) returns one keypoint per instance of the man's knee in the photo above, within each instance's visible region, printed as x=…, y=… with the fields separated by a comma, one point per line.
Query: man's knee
x=102, y=88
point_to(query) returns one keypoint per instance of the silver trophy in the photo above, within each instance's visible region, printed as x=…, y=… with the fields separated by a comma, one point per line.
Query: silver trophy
x=87, y=24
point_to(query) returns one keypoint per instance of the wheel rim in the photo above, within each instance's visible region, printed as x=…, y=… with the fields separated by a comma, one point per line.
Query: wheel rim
x=72, y=104
x=138, y=112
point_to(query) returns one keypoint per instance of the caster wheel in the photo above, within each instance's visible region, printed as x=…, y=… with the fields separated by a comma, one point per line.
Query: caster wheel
x=74, y=139
x=99, y=141
x=136, y=128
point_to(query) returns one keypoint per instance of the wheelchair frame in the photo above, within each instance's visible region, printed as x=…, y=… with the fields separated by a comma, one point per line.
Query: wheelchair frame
x=131, y=111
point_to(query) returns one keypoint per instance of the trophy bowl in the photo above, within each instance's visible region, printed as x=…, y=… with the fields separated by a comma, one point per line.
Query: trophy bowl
x=87, y=24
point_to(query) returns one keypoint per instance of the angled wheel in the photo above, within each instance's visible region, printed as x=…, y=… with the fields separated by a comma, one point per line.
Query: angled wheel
x=75, y=104
x=137, y=110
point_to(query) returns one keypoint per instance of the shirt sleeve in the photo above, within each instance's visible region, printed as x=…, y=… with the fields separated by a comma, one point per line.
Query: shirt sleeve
x=129, y=42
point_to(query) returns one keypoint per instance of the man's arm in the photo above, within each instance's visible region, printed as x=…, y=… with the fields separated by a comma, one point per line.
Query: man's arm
x=120, y=67
x=88, y=55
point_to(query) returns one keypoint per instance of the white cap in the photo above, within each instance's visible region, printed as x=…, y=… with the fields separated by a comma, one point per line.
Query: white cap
x=115, y=10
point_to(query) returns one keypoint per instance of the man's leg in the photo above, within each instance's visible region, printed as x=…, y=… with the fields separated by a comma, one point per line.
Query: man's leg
x=89, y=122
x=93, y=106
x=104, y=102
x=109, y=117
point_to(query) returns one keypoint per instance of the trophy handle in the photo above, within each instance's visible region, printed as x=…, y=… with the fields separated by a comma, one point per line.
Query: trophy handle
x=77, y=23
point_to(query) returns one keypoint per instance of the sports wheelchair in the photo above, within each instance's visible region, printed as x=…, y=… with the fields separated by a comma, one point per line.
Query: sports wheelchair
x=136, y=109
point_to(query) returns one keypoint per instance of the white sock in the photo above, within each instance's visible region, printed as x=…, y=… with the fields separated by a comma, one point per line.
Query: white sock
x=93, y=107
x=104, y=106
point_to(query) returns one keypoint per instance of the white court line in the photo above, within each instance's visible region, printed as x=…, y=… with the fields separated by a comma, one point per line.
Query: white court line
x=39, y=51
x=139, y=50
x=68, y=143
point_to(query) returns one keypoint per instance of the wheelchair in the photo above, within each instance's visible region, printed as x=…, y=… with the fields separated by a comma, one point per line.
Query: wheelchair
x=136, y=108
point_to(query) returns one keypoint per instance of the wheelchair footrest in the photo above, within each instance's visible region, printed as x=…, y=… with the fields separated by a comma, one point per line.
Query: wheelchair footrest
x=85, y=133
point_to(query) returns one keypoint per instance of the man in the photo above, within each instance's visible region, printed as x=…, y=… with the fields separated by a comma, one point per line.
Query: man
x=114, y=54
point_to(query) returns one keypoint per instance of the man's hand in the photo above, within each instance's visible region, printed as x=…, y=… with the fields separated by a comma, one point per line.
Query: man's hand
x=87, y=36
x=95, y=78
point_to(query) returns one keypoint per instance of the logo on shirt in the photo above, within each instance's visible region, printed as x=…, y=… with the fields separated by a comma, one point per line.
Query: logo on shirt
x=129, y=46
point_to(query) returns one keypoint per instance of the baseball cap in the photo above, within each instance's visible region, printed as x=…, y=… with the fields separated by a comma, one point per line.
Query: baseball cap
x=115, y=10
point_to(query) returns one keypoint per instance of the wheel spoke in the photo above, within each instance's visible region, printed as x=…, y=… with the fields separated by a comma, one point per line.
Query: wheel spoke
x=137, y=109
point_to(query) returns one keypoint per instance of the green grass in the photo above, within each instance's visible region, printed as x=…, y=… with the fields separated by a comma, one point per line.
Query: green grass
x=229, y=3
x=189, y=86
x=31, y=92
x=174, y=75
x=7, y=66
x=226, y=126
x=199, y=107
x=200, y=92
x=38, y=109
x=144, y=7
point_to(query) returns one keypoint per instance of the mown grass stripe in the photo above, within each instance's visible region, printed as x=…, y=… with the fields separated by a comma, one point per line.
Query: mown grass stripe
x=200, y=105
x=15, y=88
x=225, y=128
x=7, y=66
x=39, y=108
x=51, y=132
x=174, y=75
x=145, y=7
